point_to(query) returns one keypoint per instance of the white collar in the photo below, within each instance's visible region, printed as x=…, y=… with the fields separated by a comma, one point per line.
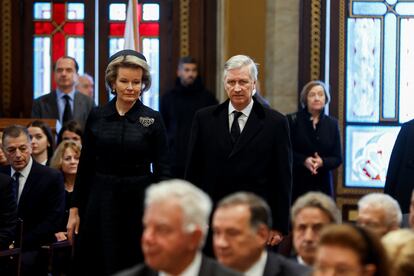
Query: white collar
x=257, y=269
x=192, y=270
x=246, y=111
x=301, y=261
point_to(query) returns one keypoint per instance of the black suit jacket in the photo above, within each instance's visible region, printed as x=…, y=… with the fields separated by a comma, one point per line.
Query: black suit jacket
x=209, y=267
x=259, y=162
x=46, y=107
x=399, y=182
x=277, y=265
x=41, y=205
x=8, y=211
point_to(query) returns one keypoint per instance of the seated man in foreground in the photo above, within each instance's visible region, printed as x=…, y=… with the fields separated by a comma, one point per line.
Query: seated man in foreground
x=175, y=227
x=241, y=227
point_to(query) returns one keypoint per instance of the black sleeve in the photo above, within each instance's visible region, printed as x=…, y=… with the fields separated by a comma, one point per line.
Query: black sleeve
x=8, y=212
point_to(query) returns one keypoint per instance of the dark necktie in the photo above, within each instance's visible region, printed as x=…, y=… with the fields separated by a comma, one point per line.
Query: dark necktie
x=16, y=184
x=235, y=127
x=67, y=113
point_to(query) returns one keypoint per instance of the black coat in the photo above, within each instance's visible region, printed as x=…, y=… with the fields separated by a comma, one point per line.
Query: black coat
x=325, y=140
x=260, y=161
x=209, y=267
x=277, y=265
x=8, y=211
x=399, y=182
x=121, y=156
x=41, y=205
x=178, y=107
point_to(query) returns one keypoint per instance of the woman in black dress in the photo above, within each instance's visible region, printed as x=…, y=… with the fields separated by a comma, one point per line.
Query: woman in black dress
x=124, y=151
x=315, y=141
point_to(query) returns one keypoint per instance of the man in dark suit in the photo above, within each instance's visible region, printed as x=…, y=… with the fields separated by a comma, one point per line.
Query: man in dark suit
x=399, y=182
x=241, y=225
x=65, y=103
x=175, y=226
x=40, y=196
x=8, y=211
x=240, y=145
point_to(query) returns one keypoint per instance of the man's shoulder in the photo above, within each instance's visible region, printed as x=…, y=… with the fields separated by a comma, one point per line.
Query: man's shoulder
x=276, y=262
x=4, y=179
x=46, y=97
x=44, y=171
x=137, y=270
x=210, y=267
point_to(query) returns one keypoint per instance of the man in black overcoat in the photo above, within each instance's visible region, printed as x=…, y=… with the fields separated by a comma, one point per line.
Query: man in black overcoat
x=251, y=153
x=8, y=211
x=399, y=182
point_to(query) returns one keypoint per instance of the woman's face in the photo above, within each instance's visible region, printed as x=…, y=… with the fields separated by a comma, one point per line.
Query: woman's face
x=128, y=85
x=39, y=140
x=340, y=261
x=70, y=161
x=69, y=135
x=316, y=99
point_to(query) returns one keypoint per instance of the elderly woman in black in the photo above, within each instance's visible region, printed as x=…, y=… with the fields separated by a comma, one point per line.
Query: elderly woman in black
x=124, y=150
x=316, y=142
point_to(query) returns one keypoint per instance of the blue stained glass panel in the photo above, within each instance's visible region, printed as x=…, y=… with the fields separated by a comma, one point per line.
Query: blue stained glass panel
x=151, y=12
x=406, y=69
x=76, y=49
x=115, y=45
x=117, y=12
x=368, y=153
x=42, y=11
x=76, y=11
x=405, y=8
x=150, y=49
x=390, y=66
x=363, y=70
x=370, y=8
x=41, y=66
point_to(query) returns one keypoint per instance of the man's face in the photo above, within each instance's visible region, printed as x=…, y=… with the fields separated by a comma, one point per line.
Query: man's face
x=18, y=151
x=65, y=74
x=306, y=229
x=187, y=72
x=165, y=243
x=236, y=244
x=85, y=86
x=239, y=87
x=373, y=219
x=411, y=216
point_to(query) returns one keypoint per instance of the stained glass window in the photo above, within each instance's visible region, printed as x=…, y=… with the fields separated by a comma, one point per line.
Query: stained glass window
x=379, y=87
x=58, y=31
x=148, y=18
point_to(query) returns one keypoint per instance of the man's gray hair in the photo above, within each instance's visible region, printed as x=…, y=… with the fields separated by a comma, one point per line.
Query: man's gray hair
x=195, y=204
x=239, y=61
x=392, y=210
x=260, y=212
x=317, y=200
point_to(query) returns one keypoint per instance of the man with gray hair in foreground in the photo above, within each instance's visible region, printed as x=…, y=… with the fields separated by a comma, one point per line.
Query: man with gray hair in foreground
x=175, y=227
x=379, y=212
x=310, y=213
x=241, y=226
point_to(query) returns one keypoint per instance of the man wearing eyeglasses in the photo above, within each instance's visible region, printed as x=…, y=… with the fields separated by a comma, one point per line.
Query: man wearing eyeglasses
x=39, y=192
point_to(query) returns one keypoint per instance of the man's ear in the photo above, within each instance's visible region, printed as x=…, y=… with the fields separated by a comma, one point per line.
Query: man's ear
x=195, y=237
x=263, y=233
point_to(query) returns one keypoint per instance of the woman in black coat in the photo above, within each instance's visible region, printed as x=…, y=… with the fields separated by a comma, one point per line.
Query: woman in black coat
x=315, y=142
x=124, y=151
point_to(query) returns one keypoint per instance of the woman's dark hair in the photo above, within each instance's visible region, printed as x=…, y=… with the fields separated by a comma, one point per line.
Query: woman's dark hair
x=72, y=126
x=363, y=242
x=48, y=132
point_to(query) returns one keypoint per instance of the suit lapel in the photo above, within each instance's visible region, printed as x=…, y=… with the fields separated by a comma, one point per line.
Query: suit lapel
x=221, y=125
x=253, y=126
x=54, y=111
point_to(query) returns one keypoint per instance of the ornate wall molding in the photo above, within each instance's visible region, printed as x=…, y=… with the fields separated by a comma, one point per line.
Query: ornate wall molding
x=6, y=55
x=315, y=52
x=184, y=27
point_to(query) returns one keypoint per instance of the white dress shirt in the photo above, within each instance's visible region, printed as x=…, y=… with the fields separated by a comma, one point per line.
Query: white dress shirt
x=24, y=174
x=192, y=270
x=257, y=269
x=243, y=118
